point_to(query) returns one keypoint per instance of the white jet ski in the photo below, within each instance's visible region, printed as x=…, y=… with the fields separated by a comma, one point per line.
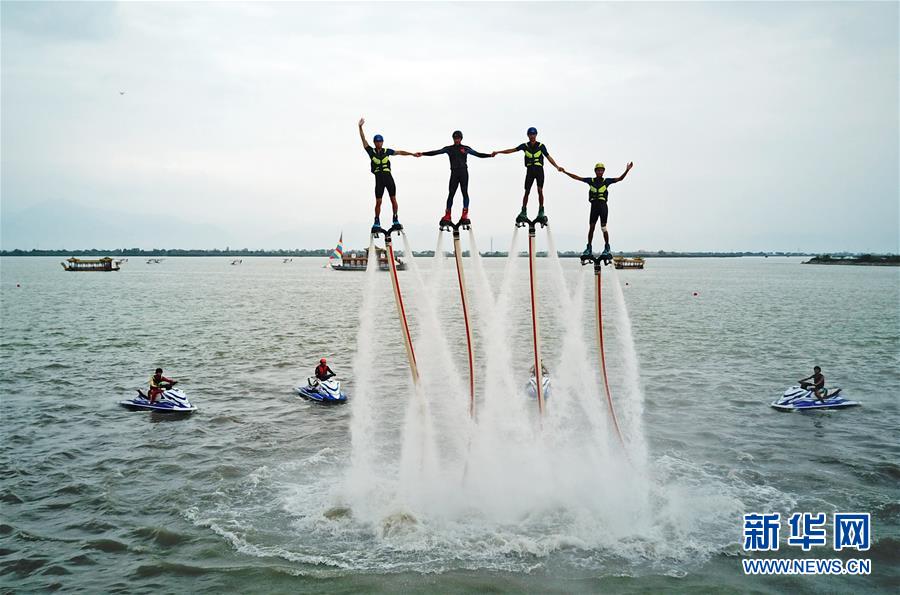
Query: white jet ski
x=172, y=400
x=322, y=391
x=531, y=387
x=797, y=398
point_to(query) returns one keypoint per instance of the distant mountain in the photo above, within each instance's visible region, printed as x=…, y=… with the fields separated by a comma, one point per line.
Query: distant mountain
x=65, y=225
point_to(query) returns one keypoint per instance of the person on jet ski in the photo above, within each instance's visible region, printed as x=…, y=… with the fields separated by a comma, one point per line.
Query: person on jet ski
x=817, y=385
x=158, y=385
x=544, y=371
x=323, y=372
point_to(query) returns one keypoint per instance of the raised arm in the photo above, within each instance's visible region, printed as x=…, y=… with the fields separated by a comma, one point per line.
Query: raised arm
x=625, y=173
x=362, y=135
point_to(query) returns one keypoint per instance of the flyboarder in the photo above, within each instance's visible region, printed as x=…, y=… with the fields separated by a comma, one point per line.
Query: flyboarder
x=459, y=174
x=534, y=171
x=597, y=196
x=381, y=168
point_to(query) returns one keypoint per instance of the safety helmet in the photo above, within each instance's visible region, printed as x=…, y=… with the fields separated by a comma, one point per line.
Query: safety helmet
x=378, y=138
x=599, y=166
x=532, y=130
x=322, y=361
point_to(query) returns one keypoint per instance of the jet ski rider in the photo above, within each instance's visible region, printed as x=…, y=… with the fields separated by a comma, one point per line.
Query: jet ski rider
x=323, y=372
x=158, y=385
x=817, y=385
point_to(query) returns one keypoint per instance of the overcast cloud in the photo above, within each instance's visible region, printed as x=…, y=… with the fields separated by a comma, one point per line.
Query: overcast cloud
x=753, y=126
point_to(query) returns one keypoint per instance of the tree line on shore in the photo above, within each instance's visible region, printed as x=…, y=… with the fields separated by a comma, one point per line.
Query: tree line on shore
x=325, y=252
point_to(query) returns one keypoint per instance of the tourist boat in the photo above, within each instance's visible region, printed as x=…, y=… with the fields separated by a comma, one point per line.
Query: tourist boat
x=101, y=264
x=620, y=262
x=359, y=260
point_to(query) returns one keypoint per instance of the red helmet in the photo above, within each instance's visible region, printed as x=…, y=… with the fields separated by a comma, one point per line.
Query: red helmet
x=322, y=361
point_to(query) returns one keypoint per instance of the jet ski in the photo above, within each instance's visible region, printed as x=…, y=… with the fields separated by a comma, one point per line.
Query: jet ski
x=172, y=400
x=531, y=387
x=797, y=398
x=322, y=391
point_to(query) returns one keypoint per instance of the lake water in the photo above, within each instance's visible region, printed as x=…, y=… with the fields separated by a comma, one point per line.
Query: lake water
x=399, y=490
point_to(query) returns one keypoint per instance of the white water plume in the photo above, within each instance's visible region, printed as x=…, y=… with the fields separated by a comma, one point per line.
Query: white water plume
x=509, y=467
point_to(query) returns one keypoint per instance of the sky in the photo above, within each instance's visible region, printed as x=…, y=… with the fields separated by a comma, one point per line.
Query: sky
x=752, y=126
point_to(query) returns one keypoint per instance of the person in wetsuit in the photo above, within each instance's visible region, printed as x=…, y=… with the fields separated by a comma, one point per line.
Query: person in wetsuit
x=534, y=170
x=380, y=163
x=597, y=196
x=459, y=173
x=323, y=372
x=817, y=385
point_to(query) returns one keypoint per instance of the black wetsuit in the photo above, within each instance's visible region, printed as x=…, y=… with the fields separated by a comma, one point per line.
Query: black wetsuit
x=381, y=168
x=459, y=171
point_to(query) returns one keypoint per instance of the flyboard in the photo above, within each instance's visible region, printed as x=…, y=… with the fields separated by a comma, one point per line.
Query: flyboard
x=398, y=298
x=445, y=225
x=522, y=221
x=604, y=258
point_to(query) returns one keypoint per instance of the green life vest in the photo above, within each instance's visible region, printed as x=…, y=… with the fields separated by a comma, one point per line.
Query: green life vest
x=536, y=158
x=381, y=164
x=598, y=192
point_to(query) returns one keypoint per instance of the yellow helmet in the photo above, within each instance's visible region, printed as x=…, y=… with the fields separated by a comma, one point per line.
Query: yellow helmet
x=599, y=166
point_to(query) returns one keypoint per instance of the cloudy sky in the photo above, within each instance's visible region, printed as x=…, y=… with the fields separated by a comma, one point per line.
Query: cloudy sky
x=753, y=126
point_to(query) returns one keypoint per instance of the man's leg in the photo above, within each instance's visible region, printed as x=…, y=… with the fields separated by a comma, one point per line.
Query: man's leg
x=464, y=187
x=529, y=180
x=604, y=215
x=394, y=205
x=539, y=176
x=379, y=194
x=392, y=192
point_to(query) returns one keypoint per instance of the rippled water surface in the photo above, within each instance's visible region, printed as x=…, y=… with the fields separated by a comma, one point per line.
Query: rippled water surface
x=260, y=491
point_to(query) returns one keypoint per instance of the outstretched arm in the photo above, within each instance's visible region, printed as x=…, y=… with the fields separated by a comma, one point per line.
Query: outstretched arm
x=625, y=173
x=362, y=135
x=432, y=153
x=477, y=154
x=407, y=153
x=505, y=151
x=571, y=175
x=553, y=161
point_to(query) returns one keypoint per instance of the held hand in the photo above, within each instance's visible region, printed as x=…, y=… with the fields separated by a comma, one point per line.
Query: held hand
x=361, y=122
x=560, y=168
x=418, y=153
x=494, y=154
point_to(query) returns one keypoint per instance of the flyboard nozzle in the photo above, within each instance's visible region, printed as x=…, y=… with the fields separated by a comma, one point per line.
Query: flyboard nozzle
x=378, y=231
